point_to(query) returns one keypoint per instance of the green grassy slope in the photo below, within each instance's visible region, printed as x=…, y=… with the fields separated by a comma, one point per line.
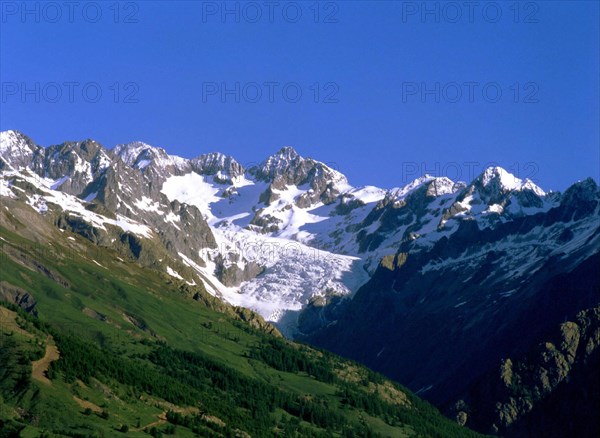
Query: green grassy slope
x=138, y=355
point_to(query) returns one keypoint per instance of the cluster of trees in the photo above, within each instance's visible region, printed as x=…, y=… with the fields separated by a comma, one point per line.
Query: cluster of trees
x=83, y=360
x=278, y=354
x=241, y=401
x=15, y=368
x=236, y=399
x=15, y=380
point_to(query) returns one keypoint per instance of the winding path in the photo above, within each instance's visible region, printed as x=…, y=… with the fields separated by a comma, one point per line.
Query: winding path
x=40, y=367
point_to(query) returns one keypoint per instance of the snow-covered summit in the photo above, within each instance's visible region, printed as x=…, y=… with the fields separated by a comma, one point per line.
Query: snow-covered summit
x=139, y=155
x=16, y=149
x=284, y=161
x=436, y=186
x=500, y=178
x=496, y=194
x=12, y=140
x=285, y=154
x=129, y=152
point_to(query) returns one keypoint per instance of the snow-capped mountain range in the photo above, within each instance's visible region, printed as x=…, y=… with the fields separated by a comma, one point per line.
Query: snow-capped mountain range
x=273, y=237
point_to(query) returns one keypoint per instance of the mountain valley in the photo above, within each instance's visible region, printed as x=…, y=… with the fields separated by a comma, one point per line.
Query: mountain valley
x=482, y=297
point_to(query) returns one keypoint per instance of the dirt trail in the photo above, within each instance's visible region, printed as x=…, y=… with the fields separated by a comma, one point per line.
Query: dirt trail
x=86, y=404
x=39, y=367
x=162, y=419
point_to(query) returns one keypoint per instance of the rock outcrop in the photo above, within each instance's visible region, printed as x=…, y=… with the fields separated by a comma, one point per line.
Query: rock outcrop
x=18, y=296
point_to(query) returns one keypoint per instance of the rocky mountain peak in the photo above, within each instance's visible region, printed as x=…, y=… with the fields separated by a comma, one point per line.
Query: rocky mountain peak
x=286, y=162
x=496, y=188
x=288, y=153
x=12, y=140
x=73, y=165
x=86, y=149
x=223, y=167
x=443, y=186
x=142, y=156
x=582, y=190
x=581, y=199
x=130, y=152
x=287, y=167
x=497, y=173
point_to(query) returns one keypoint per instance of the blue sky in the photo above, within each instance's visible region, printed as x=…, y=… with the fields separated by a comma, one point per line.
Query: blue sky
x=388, y=90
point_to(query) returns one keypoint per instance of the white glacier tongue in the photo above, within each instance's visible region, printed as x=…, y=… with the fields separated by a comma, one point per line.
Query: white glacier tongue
x=294, y=273
x=307, y=253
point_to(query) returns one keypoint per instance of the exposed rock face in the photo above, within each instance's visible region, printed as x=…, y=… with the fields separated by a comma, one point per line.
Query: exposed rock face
x=286, y=164
x=225, y=169
x=73, y=164
x=269, y=196
x=264, y=223
x=18, y=296
x=580, y=200
x=256, y=321
x=320, y=311
x=232, y=275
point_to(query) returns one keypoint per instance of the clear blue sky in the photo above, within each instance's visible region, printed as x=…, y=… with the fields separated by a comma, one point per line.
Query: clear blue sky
x=371, y=65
